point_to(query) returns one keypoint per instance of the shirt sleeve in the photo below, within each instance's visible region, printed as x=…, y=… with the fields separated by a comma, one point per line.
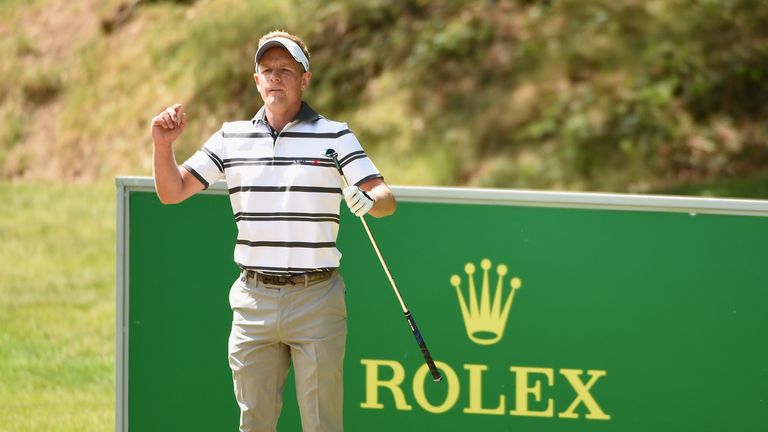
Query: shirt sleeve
x=206, y=164
x=354, y=162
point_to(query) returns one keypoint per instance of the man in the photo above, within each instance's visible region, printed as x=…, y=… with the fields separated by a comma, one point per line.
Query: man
x=288, y=304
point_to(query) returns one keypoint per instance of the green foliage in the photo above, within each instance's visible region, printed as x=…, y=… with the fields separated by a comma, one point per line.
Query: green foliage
x=567, y=94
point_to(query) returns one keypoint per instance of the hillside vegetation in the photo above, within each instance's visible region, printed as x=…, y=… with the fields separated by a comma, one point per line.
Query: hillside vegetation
x=637, y=96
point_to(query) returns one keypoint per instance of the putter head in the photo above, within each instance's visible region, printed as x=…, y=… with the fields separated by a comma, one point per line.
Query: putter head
x=331, y=153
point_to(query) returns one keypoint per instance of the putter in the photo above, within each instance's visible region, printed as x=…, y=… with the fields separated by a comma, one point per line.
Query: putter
x=408, y=316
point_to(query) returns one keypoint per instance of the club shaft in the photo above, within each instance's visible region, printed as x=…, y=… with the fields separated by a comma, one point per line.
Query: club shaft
x=378, y=254
x=408, y=316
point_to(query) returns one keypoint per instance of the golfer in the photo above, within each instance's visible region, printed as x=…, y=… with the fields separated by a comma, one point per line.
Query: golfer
x=289, y=302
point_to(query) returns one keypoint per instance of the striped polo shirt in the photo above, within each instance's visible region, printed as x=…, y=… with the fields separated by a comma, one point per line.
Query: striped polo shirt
x=285, y=193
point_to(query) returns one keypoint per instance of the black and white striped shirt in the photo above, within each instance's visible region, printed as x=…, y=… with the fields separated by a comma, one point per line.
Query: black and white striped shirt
x=285, y=193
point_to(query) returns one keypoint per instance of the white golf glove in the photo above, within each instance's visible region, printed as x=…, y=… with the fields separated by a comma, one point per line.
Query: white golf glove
x=358, y=201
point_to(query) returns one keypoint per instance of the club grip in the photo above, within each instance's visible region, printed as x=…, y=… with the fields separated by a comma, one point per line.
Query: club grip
x=424, y=351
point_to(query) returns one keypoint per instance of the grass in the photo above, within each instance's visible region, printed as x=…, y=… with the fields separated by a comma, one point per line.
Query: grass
x=57, y=319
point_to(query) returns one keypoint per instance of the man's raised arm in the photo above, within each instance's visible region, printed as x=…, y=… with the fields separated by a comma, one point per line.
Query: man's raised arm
x=173, y=183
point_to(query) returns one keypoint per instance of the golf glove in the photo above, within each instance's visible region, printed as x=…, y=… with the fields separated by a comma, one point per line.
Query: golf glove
x=358, y=201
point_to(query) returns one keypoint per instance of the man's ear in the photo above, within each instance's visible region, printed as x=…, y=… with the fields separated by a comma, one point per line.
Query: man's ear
x=256, y=80
x=306, y=77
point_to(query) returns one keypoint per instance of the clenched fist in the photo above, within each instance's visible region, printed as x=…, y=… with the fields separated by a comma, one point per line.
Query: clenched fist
x=168, y=125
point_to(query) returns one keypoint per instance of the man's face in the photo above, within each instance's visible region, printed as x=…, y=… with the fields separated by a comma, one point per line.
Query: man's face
x=280, y=79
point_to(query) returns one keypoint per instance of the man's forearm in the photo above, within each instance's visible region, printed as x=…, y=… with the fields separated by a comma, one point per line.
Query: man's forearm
x=168, y=181
x=384, y=201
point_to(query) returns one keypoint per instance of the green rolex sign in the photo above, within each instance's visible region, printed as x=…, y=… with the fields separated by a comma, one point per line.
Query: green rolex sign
x=543, y=311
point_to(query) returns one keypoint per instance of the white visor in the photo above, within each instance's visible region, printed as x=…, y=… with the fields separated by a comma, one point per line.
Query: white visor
x=291, y=46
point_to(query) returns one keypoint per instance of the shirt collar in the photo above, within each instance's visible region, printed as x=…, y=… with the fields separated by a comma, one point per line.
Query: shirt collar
x=305, y=114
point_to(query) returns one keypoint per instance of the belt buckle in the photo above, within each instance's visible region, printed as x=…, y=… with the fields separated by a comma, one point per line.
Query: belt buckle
x=293, y=279
x=275, y=279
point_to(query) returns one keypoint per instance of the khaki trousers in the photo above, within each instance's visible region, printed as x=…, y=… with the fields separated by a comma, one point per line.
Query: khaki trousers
x=273, y=325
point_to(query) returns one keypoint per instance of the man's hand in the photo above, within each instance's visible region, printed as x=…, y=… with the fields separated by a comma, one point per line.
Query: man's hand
x=358, y=201
x=173, y=184
x=168, y=125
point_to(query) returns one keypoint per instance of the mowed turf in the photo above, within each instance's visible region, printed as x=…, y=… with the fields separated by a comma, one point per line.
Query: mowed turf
x=57, y=318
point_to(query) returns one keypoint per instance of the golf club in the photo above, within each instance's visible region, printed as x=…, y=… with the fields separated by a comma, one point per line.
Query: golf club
x=411, y=322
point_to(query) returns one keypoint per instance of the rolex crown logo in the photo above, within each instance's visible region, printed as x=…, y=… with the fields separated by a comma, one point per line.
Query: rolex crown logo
x=485, y=321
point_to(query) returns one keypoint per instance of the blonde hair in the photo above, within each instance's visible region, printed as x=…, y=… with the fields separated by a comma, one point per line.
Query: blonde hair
x=285, y=34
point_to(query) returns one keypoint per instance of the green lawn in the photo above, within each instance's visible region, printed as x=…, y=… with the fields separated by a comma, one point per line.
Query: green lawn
x=57, y=314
